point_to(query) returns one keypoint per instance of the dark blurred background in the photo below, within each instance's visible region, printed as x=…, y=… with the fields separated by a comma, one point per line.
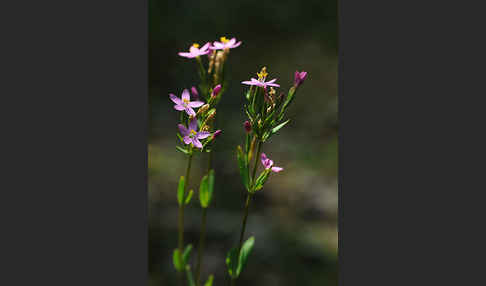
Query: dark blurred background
x=294, y=219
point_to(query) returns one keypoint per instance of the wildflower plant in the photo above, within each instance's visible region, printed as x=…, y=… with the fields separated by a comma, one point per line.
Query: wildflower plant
x=266, y=112
x=197, y=134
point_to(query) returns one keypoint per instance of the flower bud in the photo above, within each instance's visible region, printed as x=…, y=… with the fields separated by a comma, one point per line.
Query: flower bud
x=216, y=133
x=216, y=90
x=247, y=126
x=194, y=92
x=203, y=109
x=299, y=78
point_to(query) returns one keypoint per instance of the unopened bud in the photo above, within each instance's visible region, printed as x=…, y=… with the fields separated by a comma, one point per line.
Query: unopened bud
x=247, y=126
x=194, y=92
x=203, y=109
x=216, y=90
x=299, y=78
x=216, y=133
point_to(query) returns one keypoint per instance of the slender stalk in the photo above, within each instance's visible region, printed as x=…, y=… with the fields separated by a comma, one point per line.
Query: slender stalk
x=181, y=216
x=247, y=204
x=201, y=246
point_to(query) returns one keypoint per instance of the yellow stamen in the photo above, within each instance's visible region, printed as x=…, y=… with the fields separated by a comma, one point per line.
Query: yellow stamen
x=186, y=101
x=193, y=132
x=262, y=74
x=195, y=45
x=223, y=40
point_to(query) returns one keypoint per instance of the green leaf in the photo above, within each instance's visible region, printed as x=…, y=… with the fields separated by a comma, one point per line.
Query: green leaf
x=189, y=276
x=188, y=198
x=187, y=252
x=180, y=190
x=177, y=260
x=244, y=253
x=232, y=262
x=209, y=282
x=182, y=150
x=243, y=167
x=260, y=181
x=276, y=128
x=203, y=192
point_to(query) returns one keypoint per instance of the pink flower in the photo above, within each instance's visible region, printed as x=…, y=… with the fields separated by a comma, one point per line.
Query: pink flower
x=191, y=136
x=225, y=44
x=247, y=126
x=268, y=164
x=299, y=78
x=184, y=103
x=194, y=51
x=261, y=82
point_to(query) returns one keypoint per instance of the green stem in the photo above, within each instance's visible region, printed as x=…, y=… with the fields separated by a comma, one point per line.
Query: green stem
x=181, y=215
x=201, y=246
x=247, y=205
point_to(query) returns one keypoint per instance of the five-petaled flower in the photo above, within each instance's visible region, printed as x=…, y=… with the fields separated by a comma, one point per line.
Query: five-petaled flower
x=195, y=51
x=191, y=136
x=184, y=103
x=299, y=78
x=268, y=164
x=261, y=82
x=225, y=44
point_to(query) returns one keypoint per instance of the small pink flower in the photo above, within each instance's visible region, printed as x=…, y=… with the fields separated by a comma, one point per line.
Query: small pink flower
x=194, y=51
x=247, y=126
x=194, y=92
x=268, y=164
x=184, y=103
x=225, y=44
x=261, y=82
x=191, y=135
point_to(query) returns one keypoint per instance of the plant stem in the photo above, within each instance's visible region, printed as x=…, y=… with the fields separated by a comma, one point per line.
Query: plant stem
x=247, y=204
x=201, y=245
x=181, y=216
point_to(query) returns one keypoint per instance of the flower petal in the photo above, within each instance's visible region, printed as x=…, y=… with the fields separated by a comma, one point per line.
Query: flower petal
x=203, y=134
x=277, y=169
x=179, y=107
x=231, y=42
x=272, y=84
x=183, y=130
x=187, y=140
x=175, y=99
x=248, y=82
x=195, y=103
x=272, y=81
x=190, y=111
x=185, y=95
x=193, y=124
x=217, y=46
x=196, y=143
x=186, y=55
x=236, y=45
x=205, y=47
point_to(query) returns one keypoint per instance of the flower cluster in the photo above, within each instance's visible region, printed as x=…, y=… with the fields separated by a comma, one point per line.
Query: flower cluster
x=265, y=111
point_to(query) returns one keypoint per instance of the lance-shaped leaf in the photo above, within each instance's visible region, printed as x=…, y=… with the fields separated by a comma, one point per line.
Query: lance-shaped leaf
x=209, y=282
x=206, y=189
x=243, y=167
x=260, y=181
x=182, y=150
x=188, y=198
x=232, y=262
x=177, y=260
x=187, y=252
x=277, y=128
x=244, y=253
x=180, y=190
x=288, y=100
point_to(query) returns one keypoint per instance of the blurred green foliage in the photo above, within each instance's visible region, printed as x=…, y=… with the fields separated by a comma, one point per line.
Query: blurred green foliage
x=294, y=218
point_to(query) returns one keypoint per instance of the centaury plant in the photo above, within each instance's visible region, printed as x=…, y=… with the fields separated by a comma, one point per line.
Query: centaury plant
x=266, y=111
x=197, y=134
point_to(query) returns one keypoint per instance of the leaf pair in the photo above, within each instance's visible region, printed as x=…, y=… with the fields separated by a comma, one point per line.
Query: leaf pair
x=237, y=264
x=180, y=192
x=206, y=189
x=180, y=261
